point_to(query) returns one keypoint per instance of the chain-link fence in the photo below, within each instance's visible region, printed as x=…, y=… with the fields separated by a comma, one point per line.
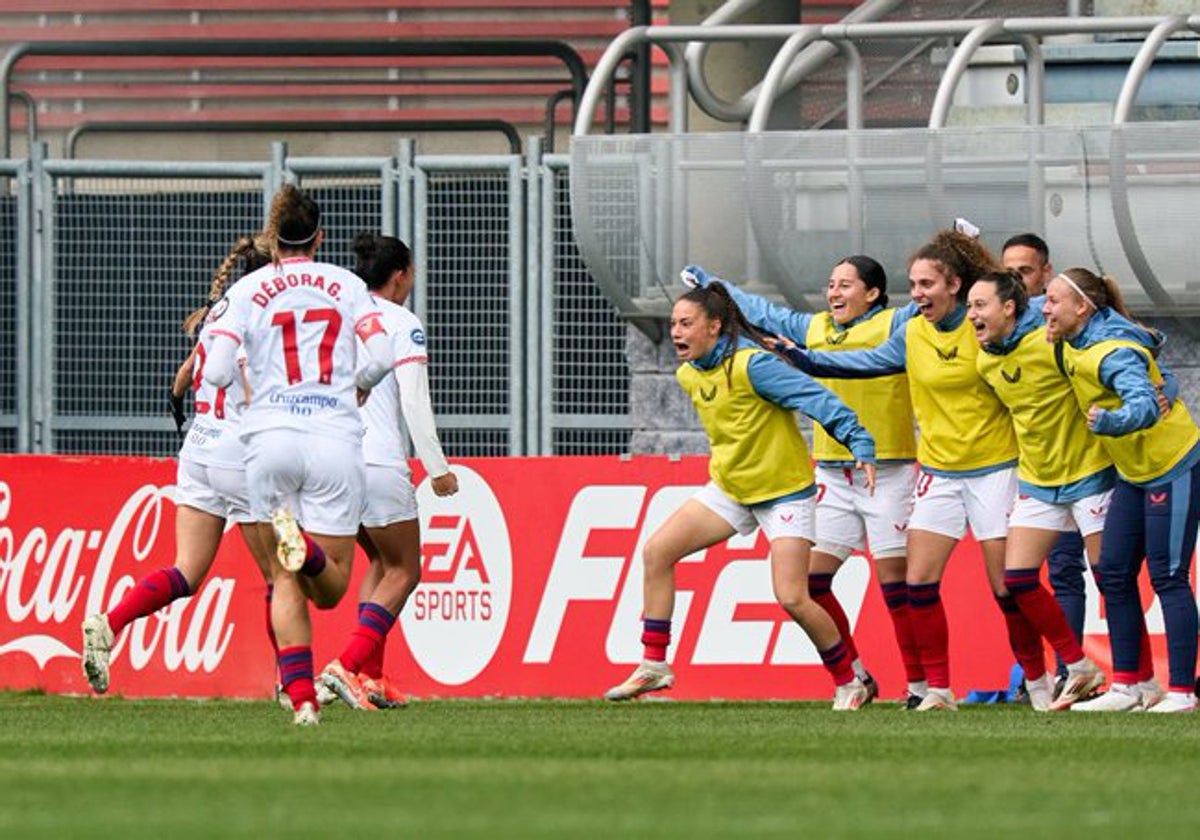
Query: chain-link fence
x=124, y=251
x=11, y=329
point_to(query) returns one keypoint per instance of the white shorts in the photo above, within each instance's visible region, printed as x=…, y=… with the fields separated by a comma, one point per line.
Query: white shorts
x=782, y=519
x=946, y=505
x=390, y=497
x=220, y=491
x=1087, y=514
x=850, y=519
x=320, y=479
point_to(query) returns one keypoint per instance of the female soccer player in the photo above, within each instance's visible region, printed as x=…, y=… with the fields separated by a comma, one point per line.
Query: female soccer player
x=210, y=485
x=391, y=531
x=298, y=320
x=849, y=517
x=1155, y=505
x=967, y=450
x=761, y=475
x=1065, y=478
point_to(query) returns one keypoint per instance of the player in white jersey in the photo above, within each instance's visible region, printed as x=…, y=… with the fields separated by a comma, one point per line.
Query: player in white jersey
x=391, y=531
x=210, y=485
x=298, y=320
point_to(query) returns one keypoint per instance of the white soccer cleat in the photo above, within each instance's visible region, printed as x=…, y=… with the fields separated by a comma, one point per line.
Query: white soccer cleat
x=1175, y=701
x=97, y=645
x=647, y=677
x=1083, y=680
x=282, y=698
x=290, y=548
x=1119, y=698
x=1151, y=694
x=851, y=696
x=345, y=685
x=938, y=700
x=307, y=715
x=1041, y=692
x=324, y=695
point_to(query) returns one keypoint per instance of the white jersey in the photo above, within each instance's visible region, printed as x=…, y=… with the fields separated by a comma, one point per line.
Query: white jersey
x=385, y=442
x=297, y=322
x=213, y=439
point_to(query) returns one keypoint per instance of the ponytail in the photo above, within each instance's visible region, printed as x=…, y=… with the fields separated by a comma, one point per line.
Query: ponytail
x=719, y=305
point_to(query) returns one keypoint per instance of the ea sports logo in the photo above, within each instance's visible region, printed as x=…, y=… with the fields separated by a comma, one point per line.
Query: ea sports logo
x=457, y=616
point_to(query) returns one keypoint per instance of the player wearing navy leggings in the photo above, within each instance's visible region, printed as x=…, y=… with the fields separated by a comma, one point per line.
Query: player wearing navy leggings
x=1155, y=505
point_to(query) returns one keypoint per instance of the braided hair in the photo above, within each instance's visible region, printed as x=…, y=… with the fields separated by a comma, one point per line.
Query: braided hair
x=252, y=252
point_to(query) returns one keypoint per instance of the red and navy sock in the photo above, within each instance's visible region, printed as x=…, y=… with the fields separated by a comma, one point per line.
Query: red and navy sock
x=1043, y=612
x=820, y=589
x=152, y=593
x=374, y=622
x=837, y=662
x=314, y=558
x=656, y=638
x=373, y=665
x=1023, y=638
x=932, y=635
x=895, y=596
x=296, y=674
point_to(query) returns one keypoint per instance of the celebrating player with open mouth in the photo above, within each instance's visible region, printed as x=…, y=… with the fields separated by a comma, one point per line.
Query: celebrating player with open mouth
x=761, y=477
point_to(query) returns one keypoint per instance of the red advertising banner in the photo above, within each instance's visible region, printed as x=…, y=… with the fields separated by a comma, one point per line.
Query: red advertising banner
x=531, y=587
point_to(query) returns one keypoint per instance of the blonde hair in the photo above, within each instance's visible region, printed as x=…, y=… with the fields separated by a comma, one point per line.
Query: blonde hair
x=253, y=252
x=1099, y=290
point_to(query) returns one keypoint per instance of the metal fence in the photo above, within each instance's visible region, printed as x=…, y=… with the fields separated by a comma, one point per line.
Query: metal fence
x=100, y=261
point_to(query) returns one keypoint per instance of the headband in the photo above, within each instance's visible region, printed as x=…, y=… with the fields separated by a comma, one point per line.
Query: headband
x=1078, y=290
x=303, y=241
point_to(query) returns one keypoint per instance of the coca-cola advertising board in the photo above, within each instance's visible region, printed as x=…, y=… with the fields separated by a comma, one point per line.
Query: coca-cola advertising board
x=531, y=586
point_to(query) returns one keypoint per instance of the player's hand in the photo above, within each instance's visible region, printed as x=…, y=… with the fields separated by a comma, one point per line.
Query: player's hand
x=175, y=401
x=1164, y=407
x=869, y=472
x=694, y=277
x=780, y=342
x=1093, y=415
x=444, y=485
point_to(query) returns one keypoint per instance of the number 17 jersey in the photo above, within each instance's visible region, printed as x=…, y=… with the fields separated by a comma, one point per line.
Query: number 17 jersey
x=298, y=321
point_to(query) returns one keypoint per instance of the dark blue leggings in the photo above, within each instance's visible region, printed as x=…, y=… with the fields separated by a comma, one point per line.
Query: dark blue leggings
x=1157, y=523
x=1067, y=572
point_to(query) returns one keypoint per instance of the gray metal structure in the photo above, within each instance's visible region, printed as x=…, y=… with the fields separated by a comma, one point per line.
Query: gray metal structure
x=793, y=201
x=101, y=260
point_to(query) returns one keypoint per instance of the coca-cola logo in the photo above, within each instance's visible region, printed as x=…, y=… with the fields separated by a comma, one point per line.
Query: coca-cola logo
x=52, y=577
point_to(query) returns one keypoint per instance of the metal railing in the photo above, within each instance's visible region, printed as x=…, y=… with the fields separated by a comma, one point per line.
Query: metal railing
x=526, y=355
x=655, y=186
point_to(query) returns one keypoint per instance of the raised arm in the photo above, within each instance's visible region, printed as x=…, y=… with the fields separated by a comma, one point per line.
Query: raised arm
x=764, y=314
x=775, y=380
x=888, y=358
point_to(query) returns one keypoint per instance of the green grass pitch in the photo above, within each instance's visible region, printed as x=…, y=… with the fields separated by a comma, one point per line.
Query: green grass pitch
x=75, y=767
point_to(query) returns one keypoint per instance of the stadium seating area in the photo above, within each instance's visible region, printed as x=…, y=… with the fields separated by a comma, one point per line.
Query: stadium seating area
x=71, y=90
